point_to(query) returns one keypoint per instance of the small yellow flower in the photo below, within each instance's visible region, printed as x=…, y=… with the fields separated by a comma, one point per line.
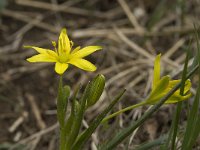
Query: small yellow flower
x=161, y=86
x=63, y=55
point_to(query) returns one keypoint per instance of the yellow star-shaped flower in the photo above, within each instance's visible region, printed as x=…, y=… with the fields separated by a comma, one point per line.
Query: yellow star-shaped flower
x=64, y=55
x=161, y=86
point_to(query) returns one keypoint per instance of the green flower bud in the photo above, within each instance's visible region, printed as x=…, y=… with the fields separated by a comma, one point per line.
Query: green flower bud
x=96, y=90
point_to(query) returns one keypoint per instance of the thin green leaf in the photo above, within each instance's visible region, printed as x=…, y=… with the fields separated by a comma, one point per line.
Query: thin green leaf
x=193, y=118
x=79, y=117
x=62, y=101
x=196, y=132
x=151, y=144
x=65, y=132
x=60, y=105
x=191, y=122
x=179, y=105
x=88, y=132
x=196, y=58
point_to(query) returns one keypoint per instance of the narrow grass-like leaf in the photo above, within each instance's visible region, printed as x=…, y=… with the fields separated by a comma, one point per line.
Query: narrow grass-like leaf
x=121, y=135
x=192, y=129
x=78, y=117
x=88, y=132
x=151, y=144
x=62, y=101
x=196, y=127
x=196, y=57
x=175, y=122
x=196, y=132
x=69, y=123
x=192, y=123
x=59, y=102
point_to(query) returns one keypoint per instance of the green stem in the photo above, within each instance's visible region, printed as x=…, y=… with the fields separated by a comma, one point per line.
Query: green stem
x=60, y=94
x=60, y=118
x=123, y=110
x=62, y=140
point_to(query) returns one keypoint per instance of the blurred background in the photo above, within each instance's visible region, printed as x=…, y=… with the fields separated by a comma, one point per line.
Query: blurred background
x=131, y=32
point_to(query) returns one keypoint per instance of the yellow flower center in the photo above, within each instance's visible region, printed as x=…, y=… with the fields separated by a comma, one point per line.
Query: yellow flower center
x=63, y=58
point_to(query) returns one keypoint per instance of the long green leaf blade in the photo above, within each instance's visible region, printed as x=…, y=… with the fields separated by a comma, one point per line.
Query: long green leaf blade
x=175, y=122
x=87, y=133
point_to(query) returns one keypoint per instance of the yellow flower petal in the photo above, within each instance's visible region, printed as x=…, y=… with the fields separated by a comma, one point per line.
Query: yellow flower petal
x=174, y=82
x=76, y=49
x=177, y=98
x=60, y=68
x=188, y=85
x=85, y=51
x=63, y=43
x=43, y=51
x=159, y=90
x=42, y=58
x=82, y=64
x=156, y=76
